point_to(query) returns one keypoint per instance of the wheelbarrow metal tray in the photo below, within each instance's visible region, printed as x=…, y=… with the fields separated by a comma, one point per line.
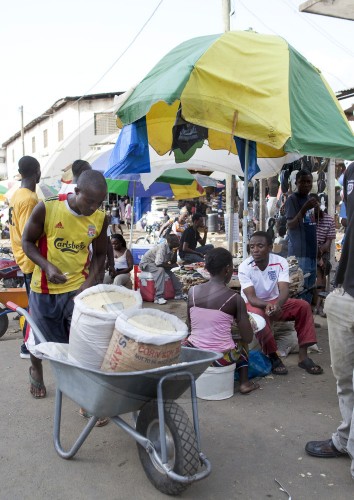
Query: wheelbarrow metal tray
x=106, y=394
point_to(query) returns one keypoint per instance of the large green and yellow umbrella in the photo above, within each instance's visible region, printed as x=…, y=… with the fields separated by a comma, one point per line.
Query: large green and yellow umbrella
x=244, y=84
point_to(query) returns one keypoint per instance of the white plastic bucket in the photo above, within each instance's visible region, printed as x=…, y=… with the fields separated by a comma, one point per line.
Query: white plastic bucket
x=217, y=382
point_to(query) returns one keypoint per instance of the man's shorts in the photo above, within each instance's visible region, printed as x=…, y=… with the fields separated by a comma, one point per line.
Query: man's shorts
x=52, y=314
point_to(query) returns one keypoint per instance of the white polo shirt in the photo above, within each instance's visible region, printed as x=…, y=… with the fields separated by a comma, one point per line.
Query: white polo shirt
x=264, y=282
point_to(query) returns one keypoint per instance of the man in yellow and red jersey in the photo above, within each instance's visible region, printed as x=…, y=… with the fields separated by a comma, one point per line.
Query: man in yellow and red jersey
x=21, y=205
x=57, y=239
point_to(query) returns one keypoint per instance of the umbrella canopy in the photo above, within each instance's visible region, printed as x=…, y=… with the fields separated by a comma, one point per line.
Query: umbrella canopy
x=206, y=181
x=177, y=191
x=43, y=190
x=243, y=84
x=163, y=174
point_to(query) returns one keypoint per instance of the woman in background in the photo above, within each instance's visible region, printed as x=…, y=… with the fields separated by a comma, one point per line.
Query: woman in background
x=123, y=262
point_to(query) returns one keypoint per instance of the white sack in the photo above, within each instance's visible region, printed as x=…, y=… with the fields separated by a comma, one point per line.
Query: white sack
x=151, y=334
x=91, y=329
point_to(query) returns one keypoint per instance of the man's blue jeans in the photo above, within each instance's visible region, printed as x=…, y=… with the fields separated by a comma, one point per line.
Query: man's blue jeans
x=192, y=257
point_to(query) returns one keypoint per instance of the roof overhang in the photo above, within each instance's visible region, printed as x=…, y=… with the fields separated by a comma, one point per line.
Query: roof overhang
x=343, y=9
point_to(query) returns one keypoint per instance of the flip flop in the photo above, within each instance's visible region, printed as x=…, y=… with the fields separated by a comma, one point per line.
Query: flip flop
x=278, y=367
x=252, y=387
x=38, y=385
x=101, y=422
x=311, y=367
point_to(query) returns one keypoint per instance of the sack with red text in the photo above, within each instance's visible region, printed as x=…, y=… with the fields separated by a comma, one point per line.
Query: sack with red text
x=144, y=339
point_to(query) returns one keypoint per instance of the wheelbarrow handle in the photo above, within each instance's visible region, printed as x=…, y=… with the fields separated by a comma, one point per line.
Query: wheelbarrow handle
x=36, y=331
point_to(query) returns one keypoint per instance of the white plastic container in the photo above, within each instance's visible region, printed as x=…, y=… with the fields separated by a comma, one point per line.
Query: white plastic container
x=216, y=383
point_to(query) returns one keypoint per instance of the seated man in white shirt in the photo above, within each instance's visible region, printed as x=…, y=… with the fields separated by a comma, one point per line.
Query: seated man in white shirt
x=159, y=261
x=264, y=278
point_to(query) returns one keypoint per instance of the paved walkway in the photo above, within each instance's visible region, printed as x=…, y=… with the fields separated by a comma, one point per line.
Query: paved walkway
x=250, y=440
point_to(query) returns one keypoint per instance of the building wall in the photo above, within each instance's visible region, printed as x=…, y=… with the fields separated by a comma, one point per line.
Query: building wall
x=64, y=136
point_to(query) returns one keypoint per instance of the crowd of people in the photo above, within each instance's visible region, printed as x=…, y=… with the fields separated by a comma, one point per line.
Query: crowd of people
x=71, y=232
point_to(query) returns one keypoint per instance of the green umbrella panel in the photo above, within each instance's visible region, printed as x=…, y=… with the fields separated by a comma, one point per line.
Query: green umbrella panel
x=244, y=84
x=178, y=176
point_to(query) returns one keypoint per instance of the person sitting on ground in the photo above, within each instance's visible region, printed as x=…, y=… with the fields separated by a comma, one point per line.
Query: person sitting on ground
x=188, y=250
x=159, y=261
x=123, y=263
x=212, y=309
x=264, y=279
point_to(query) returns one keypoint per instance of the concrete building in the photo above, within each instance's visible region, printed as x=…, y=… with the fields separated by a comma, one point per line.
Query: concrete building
x=72, y=128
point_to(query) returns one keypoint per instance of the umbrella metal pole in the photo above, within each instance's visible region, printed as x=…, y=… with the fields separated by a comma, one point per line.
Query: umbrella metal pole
x=132, y=219
x=245, y=203
x=231, y=195
x=331, y=190
x=262, y=205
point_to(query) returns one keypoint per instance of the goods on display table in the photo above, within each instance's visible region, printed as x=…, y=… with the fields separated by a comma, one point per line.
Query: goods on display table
x=195, y=274
x=191, y=275
x=296, y=276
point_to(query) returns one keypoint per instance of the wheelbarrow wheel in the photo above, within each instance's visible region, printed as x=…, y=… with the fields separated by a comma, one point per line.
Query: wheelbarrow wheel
x=4, y=323
x=182, y=449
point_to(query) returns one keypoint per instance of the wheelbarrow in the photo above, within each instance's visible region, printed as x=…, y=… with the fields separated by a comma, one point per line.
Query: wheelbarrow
x=168, y=443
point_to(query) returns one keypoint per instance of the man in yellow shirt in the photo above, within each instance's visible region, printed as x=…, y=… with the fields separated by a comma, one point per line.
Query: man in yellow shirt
x=57, y=238
x=21, y=205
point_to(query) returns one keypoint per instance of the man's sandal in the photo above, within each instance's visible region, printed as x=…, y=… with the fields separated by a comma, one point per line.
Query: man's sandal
x=311, y=368
x=278, y=367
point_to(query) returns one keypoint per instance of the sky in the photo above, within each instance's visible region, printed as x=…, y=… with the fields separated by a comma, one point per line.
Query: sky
x=50, y=50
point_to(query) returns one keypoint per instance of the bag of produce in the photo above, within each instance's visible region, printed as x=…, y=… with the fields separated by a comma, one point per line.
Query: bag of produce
x=92, y=324
x=144, y=339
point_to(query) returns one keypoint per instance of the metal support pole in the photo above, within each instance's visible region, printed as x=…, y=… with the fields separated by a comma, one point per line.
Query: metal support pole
x=230, y=201
x=132, y=217
x=226, y=8
x=262, y=205
x=230, y=188
x=245, y=203
x=22, y=132
x=331, y=192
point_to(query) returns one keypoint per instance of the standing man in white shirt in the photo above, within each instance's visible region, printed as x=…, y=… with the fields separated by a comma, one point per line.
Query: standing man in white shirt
x=264, y=278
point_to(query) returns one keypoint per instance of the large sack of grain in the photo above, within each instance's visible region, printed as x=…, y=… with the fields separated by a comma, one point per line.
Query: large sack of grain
x=144, y=339
x=92, y=324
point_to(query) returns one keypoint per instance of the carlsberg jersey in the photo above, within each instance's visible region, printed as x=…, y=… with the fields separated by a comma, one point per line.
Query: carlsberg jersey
x=65, y=243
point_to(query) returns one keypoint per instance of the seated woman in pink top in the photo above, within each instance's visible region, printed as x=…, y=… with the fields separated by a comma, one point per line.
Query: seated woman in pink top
x=212, y=310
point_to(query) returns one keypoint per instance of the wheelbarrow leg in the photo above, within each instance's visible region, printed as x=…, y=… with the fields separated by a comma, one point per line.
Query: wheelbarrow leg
x=56, y=431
